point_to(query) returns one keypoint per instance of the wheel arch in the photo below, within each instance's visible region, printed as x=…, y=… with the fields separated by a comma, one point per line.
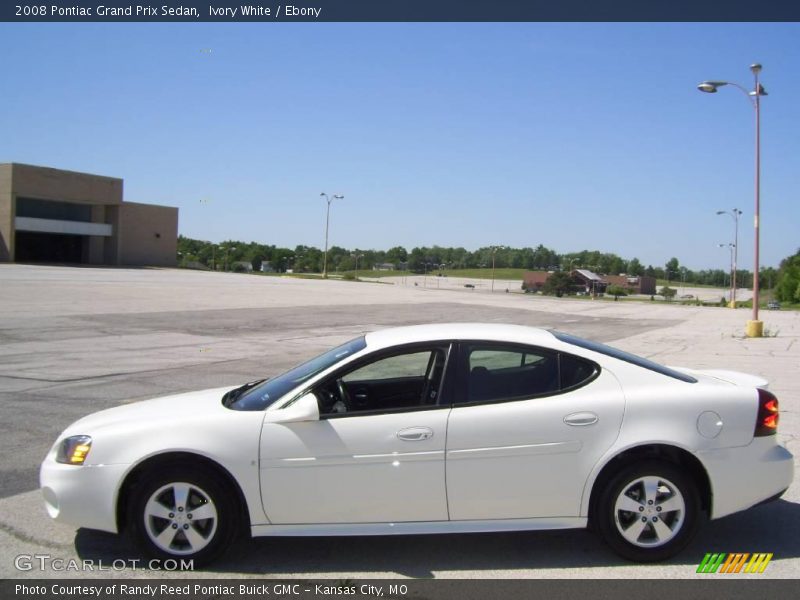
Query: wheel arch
x=172, y=459
x=664, y=452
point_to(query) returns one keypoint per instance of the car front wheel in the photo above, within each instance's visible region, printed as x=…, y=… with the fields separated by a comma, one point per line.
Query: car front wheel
x=649, y=512
x=183, y=514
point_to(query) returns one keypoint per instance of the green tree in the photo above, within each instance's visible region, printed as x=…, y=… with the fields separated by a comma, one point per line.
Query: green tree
x=788, y=278
x=616, y=291
x=416, y=260
x=672, y=268
x=558, y=284
x=635, y=268
x=396, y=255
x=615, y=265
x=667, y=292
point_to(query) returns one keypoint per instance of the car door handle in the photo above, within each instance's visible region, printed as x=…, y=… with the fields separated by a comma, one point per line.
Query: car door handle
x=581, y=419
x=415, y=434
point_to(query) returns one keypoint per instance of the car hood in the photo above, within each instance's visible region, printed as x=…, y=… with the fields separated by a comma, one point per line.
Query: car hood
x=734, y=377
x=191, y=403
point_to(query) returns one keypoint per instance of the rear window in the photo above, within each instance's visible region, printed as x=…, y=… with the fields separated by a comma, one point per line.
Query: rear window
x=625, y=356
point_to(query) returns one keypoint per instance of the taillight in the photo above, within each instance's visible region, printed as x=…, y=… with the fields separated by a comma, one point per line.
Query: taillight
x=767, y=419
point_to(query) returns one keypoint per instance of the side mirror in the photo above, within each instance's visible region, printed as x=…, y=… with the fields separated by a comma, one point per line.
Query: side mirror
x=304, y=408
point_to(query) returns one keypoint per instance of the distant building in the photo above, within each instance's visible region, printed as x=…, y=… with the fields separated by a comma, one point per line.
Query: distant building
x=383, y=267
x=55, y=216
x=634, y=285
x=592, y=283
x=533, y=281
x=586, y=281
x=266, y=267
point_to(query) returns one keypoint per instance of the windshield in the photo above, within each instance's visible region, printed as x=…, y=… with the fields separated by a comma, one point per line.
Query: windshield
x=626, y=356
x=267, y=392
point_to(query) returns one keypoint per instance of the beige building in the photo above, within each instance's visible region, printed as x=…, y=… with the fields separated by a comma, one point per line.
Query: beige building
x=54, y=216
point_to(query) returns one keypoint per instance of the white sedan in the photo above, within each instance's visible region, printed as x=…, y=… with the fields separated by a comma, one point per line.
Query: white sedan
x=430, y=429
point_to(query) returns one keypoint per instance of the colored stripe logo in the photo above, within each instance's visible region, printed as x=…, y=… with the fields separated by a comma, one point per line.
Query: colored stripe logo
x=737, y=562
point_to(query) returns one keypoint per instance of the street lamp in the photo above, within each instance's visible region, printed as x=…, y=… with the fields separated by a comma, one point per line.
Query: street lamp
x=735, y=216
x=494, y=252
x=754, y=328
x=732, y=248
x=328, y=199
x=357, y=256
x=227, y=251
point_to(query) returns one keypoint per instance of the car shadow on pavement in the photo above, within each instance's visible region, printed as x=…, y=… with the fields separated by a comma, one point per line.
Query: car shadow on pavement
x=773, y=527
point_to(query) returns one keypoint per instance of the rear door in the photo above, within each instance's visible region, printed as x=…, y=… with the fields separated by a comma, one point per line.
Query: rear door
x=527, y=426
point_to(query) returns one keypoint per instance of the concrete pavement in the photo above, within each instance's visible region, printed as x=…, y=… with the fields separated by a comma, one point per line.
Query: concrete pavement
x=75, y=340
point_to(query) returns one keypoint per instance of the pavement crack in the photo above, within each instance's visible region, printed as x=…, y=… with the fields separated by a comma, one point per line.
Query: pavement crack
x=30, y=539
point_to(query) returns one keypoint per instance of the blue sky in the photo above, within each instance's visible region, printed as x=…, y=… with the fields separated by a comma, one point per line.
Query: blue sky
x=575, y=136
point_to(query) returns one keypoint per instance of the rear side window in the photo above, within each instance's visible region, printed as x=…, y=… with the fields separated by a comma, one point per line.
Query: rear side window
x=499, y=372
x=575, y=371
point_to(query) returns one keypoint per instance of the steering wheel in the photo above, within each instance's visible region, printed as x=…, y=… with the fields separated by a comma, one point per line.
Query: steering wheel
x=344, y=397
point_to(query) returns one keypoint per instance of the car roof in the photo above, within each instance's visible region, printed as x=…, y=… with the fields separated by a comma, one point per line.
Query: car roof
x=385, y=338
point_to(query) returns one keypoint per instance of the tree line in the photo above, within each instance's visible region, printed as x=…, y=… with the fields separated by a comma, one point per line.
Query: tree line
x=230, y=254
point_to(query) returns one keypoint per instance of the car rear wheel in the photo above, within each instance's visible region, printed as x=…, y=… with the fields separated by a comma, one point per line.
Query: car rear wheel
x=649, y=512
x=183, y=514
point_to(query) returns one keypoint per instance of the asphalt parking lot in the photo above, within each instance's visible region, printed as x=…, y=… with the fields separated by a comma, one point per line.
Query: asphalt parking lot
x=77, y=340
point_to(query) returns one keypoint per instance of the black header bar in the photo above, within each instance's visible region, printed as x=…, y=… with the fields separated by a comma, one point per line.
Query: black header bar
x=272, y=11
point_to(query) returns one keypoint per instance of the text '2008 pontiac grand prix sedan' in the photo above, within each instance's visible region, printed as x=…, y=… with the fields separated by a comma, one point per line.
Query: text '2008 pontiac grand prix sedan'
x=430, y=429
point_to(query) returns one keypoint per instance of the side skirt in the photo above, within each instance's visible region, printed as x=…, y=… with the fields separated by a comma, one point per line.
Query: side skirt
x=419, y=527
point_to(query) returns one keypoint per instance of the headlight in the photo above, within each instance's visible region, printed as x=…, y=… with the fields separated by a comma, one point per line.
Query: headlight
x=73, y=450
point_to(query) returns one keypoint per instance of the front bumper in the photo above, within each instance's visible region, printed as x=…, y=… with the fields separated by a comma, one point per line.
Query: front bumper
x=745, y=476
x=84, y=496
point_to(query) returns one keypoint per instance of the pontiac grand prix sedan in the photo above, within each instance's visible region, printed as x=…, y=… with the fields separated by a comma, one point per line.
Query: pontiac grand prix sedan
x=430, y=429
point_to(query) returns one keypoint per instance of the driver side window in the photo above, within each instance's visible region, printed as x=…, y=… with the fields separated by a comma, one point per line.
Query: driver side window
x=399, y=381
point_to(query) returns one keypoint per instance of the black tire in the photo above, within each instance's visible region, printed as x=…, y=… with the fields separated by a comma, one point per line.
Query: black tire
x=183, y=513
x=657, y=527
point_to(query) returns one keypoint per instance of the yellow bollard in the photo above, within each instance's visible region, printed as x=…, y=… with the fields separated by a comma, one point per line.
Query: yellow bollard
x=754, y=329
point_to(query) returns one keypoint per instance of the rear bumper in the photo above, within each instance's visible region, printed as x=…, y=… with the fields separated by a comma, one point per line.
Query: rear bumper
x=749, y=475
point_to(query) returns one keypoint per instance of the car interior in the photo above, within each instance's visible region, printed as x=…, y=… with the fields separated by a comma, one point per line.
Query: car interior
x=500, y=374
x=395, y=382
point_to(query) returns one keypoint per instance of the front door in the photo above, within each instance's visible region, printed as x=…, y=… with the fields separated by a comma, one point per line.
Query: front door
x=377, y=453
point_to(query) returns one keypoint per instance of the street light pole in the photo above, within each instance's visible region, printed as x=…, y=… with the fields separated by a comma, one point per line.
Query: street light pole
x=328, y=199
x=735, y=216
x=357, y=256
x=227, y=254
x=754, y=328
x=732, y=249
x=494, y=253
x=757, y=326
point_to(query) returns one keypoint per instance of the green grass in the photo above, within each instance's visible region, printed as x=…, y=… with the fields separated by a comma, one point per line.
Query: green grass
x=370, y=274
x=677, y=283
x=485, y=273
